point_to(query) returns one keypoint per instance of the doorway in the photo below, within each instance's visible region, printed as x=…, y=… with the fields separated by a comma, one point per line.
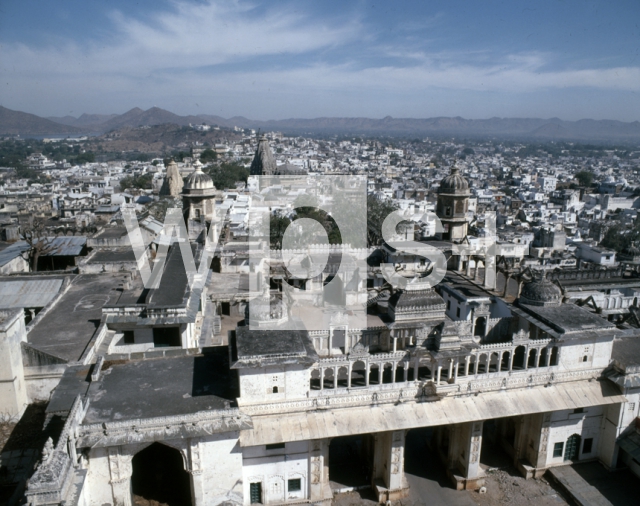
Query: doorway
x=159, y=475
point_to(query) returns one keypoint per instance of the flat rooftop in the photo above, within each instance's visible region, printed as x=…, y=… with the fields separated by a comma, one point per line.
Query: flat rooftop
x=112, y=256
x=570, y=318
x=626, y=351
x=162, y=387
x=463, y=286
x=66, y=330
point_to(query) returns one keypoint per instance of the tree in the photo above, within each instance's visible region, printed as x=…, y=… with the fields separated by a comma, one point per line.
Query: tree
x=208, y=155
x=143, y=182
x=277, y=226
x=225, y=175
x=34, y=234
x=584, y=177
x=377, y=211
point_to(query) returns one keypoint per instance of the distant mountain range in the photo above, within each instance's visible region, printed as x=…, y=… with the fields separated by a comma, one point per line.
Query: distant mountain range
x=20, y=123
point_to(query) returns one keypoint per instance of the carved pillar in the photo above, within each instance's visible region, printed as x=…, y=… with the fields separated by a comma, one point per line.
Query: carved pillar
x=450, y=370
x=349, y=370
x=456, y=364
x=511, y=360
x=319, y=489
x=405, y=368
x=322, y=378
x=335, y=378
x=120, y=470
x=467, y=359
x=388, y=466
x=464, y=456
x=439, y=373
x=490, y=272
x=367, y=372
x=532, y=441
x=197, y=482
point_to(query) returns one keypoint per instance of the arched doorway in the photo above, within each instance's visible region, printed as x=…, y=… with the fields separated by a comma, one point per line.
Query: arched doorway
x=159, y=475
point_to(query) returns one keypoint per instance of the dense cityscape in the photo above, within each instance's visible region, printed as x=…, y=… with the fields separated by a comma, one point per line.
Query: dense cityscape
x=99, y=364
x=319, y=253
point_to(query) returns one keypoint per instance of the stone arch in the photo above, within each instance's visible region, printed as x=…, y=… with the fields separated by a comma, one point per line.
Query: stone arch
x=160, y=473
x=504, y=363
x=343, y=376
x=387, y=373
x=554, y=359
x=483, y=364
x=374, y=374
x=542, y=361
x=519, y=356
x=533, y=357
x=472, y=364
x=329, y=379
x=400, y=367
x=314, y=379
x=494, y=362
x=358, y=374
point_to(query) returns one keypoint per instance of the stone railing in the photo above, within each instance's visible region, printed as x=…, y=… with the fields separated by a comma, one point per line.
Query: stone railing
x=416, y=391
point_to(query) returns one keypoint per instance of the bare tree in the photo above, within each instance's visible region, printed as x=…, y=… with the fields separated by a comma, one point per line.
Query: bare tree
x=35, y=234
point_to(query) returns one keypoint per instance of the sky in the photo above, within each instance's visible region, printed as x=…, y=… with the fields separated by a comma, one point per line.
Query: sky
x=305, y=59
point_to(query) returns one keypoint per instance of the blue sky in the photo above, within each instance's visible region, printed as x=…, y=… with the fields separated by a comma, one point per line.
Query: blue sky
x=280, y=59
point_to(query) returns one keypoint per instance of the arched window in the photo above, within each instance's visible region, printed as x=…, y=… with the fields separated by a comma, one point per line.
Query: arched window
x=374, y=374
x=387, y=374
x=482, y=364
x=358, y=372
x=493, y=363
x=314, y=382
x=519, y=357
x=343, y=377
x=554, y=356
x=504, y=365
x=328, y=378
x=533, y=355
x=543, y=357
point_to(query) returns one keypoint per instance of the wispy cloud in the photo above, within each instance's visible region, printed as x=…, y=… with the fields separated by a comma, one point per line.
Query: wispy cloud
x=187, y=51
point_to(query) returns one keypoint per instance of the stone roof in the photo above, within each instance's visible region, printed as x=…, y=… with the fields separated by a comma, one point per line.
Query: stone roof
x=414, y=304
x=199, y=180
x=541, y=292
x=454, y=183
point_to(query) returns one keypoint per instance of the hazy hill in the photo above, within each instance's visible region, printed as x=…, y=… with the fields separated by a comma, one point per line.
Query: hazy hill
x=136, y=117
x=22, y=123
x=83, y=120
x=523, y=128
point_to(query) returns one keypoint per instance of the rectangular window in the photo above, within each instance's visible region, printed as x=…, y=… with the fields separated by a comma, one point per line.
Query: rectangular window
x=255, y=492
x=587, y=445
x=275, y=446
x=557, y=449
x=448, y=305
x=458, y=312
x=128, y=337
x=294, y=485
x=578, y=410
